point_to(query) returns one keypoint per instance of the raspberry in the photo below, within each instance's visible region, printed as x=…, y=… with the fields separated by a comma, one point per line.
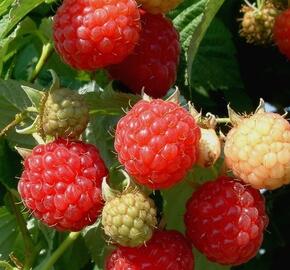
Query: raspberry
x=258, y=22
x=65, y=114
x=157, y=6
x=225, y=220
x=153, y=63
x=209, y=148
x=258, y=150
x=157, y=142
x=281, y=32
x=91, y=34
x=167, y=250
x=129, y=219
x=61, y=184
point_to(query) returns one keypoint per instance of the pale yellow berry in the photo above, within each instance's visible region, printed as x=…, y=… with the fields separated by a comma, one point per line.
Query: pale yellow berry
x=209, y=148
x=258, y=150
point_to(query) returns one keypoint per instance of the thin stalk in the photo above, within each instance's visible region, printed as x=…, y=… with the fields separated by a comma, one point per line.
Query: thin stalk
x=225, y=120
x=60, y=250
x=47, y=50
x=30, y=251
x=6, y=265
x=18, y=119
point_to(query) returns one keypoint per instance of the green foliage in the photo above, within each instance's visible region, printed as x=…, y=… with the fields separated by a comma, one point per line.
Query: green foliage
x=216, y=67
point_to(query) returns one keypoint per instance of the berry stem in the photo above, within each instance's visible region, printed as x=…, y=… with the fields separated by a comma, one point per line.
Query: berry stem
x=47, y=50
x=224, y=120
x=18, y=119
x=30, y=250
x=60, y=250
x=6, y=265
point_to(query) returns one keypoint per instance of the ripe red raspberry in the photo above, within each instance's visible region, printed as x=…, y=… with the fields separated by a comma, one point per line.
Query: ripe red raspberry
x=90, y=34
x=157, y=142
x=61, y=184
x=225, y=220
x=167, y=250
x=282, y=32
x=153, y=63
x=159, y=6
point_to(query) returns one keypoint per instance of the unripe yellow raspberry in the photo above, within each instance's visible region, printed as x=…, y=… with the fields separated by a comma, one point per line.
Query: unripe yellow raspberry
x=258, y=150
x=129, y=219
x=159, y=6
x=258, y=22
x=65, y=114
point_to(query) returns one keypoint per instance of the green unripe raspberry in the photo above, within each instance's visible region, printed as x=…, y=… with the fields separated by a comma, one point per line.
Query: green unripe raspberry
x=129, y=219
x=65, y=114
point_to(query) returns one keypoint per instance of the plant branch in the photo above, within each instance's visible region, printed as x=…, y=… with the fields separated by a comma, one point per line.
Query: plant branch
x=60, y=250
x=225, y=120
x=30, y=251
x=6, y=265
x=18, y=119
x=47, y=50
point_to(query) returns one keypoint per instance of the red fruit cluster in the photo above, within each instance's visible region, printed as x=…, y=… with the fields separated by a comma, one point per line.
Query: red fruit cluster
x=282, y=32
x=89, y=34
x=225, y=220
x=157, y=142
x=167, y=250
x=61, y=184
x=153, y=64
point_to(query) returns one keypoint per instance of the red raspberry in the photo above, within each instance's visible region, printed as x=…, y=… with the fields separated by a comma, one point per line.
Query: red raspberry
x=90, y=34
x=167, y=250
x=225, y=220
x=153, y=63
x=61, y=184
x=282, y=32
x=157, y=142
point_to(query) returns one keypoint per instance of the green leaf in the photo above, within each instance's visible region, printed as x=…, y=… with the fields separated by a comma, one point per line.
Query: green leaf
x=202, y=263
x=96, y=244
x=34, y=95
x=78, y=252
x=8, y=233
x=4, y=5
x=10, y=165
x=10, y=45
x=100, y=133
x=13, y=100
x=174, y=205
x=108, y=101
x=211, y=8
x=18, y=11
x=175, y=198
x=215, y=65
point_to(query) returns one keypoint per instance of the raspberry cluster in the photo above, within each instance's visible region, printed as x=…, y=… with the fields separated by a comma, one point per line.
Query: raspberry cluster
x=64, y=181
